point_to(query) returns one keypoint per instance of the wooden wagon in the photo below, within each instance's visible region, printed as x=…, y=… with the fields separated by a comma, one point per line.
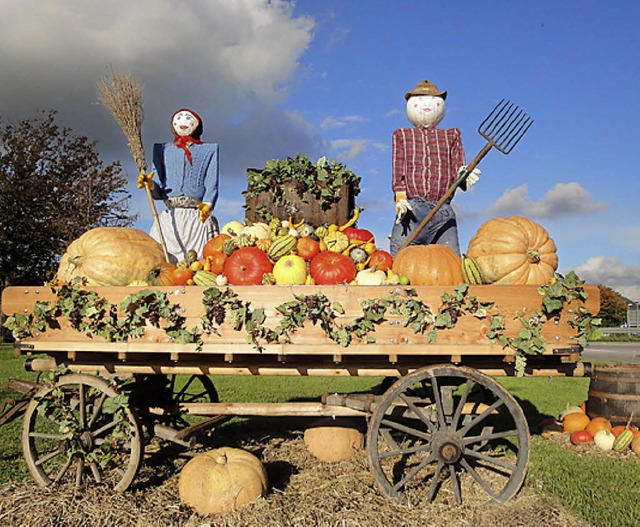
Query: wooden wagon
x=112, y=355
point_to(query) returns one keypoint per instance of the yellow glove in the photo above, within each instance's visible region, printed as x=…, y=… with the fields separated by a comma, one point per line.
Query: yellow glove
x=145, y=180
x=205, y=211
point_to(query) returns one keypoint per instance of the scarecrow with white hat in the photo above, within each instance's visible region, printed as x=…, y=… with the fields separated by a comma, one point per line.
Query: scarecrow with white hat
x=188, y=178
x=426, y=162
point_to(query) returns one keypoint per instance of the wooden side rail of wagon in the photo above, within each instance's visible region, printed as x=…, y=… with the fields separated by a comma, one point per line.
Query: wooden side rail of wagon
x=127, y=362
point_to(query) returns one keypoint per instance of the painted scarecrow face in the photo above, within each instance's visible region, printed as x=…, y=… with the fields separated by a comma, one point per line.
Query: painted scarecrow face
x=184, y=123
x=425, y=110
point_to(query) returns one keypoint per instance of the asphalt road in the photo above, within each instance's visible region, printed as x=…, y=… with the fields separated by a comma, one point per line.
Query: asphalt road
x=613, y=351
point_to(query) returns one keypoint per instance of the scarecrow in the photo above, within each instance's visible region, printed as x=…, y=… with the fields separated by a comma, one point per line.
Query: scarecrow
x=188, y=178
x=426, y=162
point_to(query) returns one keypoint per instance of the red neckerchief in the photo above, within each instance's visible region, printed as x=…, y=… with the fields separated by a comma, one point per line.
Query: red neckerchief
x=183, y=141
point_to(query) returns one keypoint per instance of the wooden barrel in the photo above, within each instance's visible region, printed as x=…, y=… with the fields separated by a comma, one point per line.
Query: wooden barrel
x=614, y=393
x=304, y=207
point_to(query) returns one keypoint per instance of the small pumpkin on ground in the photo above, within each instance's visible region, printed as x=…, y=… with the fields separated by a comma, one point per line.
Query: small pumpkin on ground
x=333, y=440
x=222, y=480
x=110, y=256
x=575, y=421
x=514, y=250
x=429, y=265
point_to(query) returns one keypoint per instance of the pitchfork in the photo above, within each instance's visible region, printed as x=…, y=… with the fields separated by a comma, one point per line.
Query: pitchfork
x=503, y=128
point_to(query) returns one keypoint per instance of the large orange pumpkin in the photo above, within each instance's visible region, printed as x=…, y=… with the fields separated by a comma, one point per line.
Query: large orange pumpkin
x=107, y=256
x=514, y=250
x=429, y=265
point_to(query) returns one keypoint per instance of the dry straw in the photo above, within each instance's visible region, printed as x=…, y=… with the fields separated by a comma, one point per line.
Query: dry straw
x=121, y=94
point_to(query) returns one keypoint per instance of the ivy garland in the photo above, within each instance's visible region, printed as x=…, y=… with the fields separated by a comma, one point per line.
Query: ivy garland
x=87, y=312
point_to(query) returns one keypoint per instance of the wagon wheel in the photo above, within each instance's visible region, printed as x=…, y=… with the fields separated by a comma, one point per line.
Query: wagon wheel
x=169, y=392
x=188, y=389
x=446, y=426
x=80, y=430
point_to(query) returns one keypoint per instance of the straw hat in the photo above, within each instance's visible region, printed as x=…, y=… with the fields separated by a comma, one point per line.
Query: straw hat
x=425, y=87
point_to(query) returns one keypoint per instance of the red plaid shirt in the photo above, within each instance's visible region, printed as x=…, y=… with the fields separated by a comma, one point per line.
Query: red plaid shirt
x=425, y=161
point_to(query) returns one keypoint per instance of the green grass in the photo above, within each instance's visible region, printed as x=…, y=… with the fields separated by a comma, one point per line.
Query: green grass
x=599, y=489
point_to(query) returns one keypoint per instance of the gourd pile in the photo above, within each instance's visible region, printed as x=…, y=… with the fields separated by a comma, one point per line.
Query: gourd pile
x=286, y=253
x=512, y=250
x=598, y=431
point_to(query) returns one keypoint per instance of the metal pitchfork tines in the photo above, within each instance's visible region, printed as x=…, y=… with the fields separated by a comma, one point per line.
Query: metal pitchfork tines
x=503, y=128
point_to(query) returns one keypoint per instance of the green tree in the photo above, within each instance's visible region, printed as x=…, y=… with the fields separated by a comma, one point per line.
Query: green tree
x=613, y=307
x=53, y=188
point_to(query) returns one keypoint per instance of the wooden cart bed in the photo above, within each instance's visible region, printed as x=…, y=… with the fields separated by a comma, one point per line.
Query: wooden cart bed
x=391, y=348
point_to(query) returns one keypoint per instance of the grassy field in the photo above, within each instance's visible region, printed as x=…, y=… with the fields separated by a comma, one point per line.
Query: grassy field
x=600, y=489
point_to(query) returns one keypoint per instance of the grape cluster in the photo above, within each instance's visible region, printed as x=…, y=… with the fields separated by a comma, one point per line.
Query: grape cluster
x=154, y=316
x=75, y=318
x=312, y=304
x=218, y=313
x=454, y=312
x=473, y=305
x=300, y=187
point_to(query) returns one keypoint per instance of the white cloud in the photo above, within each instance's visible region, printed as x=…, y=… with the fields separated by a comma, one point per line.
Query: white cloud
x=232, y=62
x=351, y=148
x=330, y=122
x=611, y=272
x=564, y=199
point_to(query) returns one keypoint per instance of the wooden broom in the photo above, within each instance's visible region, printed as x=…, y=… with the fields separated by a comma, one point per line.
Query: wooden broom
x=121, y=94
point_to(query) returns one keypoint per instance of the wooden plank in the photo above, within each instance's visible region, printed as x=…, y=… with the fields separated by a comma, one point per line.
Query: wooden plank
x=297, y=409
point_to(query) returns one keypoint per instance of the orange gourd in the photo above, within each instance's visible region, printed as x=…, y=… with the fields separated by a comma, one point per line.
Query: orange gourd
x=162, y=274
x=215, y=245
x=574, y=422
x=514, y=250
x=429, y=265
x=598, y=423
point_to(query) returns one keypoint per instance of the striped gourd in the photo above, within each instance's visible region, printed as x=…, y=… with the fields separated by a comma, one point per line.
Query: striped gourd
x=230, y=245
x=623, y=440
x=471, y=271
x=206, y=278
x=281, y=246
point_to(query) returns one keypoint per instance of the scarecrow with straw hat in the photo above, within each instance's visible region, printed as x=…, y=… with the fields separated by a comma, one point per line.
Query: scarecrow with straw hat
x=426, y=162
x=188, y=179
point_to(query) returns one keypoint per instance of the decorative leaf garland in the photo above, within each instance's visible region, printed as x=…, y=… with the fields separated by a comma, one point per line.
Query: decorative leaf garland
x=93, y=315
x=555, y=296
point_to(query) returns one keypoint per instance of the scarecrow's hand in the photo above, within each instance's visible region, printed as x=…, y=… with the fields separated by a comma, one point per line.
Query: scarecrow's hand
x=402, y=206
x=473, y=176
x=205, y=211
x=145, y=180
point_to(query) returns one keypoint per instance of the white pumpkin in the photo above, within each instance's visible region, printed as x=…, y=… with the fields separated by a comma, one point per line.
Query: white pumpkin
x=257, y=231
x=370, y=276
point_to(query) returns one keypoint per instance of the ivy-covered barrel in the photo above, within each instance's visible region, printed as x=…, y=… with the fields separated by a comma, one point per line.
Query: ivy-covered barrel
x=319, y=193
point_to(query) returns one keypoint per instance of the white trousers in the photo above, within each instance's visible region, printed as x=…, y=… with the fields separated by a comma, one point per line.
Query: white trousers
x=182, y=230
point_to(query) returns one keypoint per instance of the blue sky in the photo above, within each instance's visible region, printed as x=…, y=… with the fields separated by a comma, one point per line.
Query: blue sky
x=272, y=79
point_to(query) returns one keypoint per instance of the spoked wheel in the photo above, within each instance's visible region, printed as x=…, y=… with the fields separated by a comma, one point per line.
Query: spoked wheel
x=447, y=427
x=81, y=430
x=169, y=392
x=188, y=389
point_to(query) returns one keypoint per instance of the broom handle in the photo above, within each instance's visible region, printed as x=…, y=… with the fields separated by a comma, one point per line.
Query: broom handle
x=154, y=211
